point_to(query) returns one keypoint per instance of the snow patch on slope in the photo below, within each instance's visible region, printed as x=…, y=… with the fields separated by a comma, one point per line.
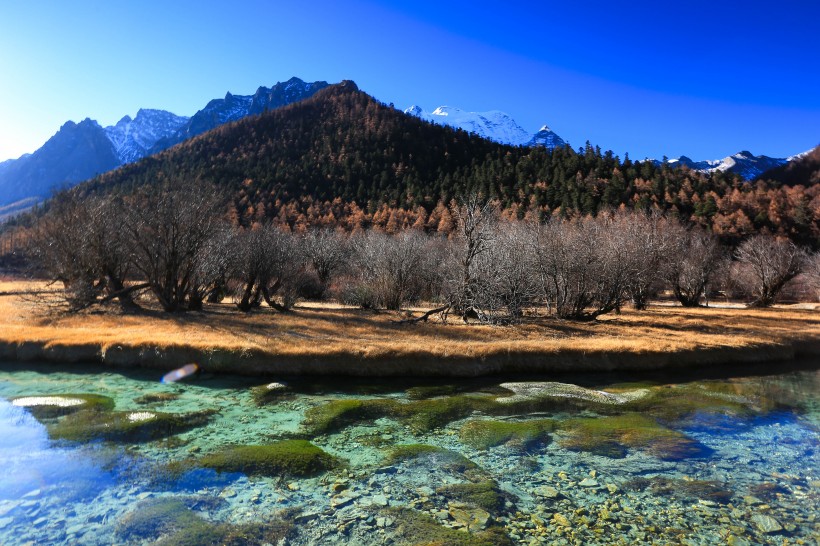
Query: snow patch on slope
x=494, y=125
x=132, y=138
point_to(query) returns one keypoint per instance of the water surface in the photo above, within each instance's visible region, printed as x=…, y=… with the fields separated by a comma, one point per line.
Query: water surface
x=731, y=459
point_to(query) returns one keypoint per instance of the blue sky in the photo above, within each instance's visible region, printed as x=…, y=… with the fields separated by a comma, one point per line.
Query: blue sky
x=705, y=79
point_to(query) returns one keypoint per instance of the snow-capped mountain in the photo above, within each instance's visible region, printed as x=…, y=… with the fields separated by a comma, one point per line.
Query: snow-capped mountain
x=744, y=163
x=234, y=107
x=133, y=138
x=546, y=137
x=79, y=151
x=494, y=125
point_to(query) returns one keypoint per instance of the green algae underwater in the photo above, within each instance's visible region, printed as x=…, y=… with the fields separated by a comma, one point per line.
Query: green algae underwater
x=94, y=456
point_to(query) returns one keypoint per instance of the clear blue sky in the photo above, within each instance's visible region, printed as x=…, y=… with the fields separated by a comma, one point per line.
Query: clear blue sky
x=705, y=79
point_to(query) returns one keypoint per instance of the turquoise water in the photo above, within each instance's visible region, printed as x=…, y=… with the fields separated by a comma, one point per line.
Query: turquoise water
x=733, y=459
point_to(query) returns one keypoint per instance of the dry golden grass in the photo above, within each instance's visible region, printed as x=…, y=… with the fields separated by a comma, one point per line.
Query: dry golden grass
x=327, y=331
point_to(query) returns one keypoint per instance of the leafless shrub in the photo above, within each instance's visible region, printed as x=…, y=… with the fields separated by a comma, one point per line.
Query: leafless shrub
x=391, y=270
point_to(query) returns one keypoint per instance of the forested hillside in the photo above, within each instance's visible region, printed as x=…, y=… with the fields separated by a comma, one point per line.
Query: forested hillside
x=343, y=158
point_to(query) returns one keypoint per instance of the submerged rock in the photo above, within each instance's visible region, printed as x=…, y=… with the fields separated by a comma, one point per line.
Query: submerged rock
x=545, y=391
x=483, y=434
x=412, y=527
x=470, y=517
x=125, y=426
x=707, y=491
x=766, y=524
x=172, y=522
x=270, y=392
x=610, y=436
x=56, y=405
x=547, y=491
x=285, y=458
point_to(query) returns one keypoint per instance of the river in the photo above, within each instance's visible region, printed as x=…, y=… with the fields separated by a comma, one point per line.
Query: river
x=92, y=455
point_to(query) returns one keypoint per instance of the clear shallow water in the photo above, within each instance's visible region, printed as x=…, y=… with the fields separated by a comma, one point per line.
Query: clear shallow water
x=749, y=472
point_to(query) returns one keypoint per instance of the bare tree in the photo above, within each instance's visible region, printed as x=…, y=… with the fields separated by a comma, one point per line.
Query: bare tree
x=392, y=270
x=582, y=266
x=265, y=264
x=476, y=226
x=80, y=244
x=327, y=253
x=768, y=263
x=247, y=264
x=209, y=277
x=648, y=243
x=812, y=270
x=505, y=282
x=170, y=230
x=695, y=259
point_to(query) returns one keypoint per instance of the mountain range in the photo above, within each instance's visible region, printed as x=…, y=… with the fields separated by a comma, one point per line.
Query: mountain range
x=341, y=158
x=746, y=164
x=79, y=151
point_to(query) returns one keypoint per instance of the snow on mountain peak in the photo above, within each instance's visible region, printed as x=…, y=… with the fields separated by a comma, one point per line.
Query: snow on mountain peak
x=132, y=138
x=494, y=125
x=800, y=155
x=744, y=163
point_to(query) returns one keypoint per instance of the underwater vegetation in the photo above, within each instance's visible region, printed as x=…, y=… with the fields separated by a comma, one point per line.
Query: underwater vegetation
x=270, y=392
x=423, y=413
x=441, y=457
x=419, y=415
x=170, y=522
x=125, y=426
x=687, y=489
x=484, y=434
x=612, y=435
x=157, y=398
x=484, y=494
x=417, y=529
x=298, y=458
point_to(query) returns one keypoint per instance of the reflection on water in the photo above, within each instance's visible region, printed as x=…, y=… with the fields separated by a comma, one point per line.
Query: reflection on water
x=226, y=460
x=30, y=462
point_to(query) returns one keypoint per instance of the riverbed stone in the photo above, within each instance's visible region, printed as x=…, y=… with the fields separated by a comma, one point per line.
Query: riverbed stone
x=767, y=524
x=471, y=517
x=346, y=498
x=547, y=491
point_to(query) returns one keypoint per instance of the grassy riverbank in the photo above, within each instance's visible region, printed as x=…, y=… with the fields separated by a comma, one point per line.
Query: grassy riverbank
x=328, y=338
